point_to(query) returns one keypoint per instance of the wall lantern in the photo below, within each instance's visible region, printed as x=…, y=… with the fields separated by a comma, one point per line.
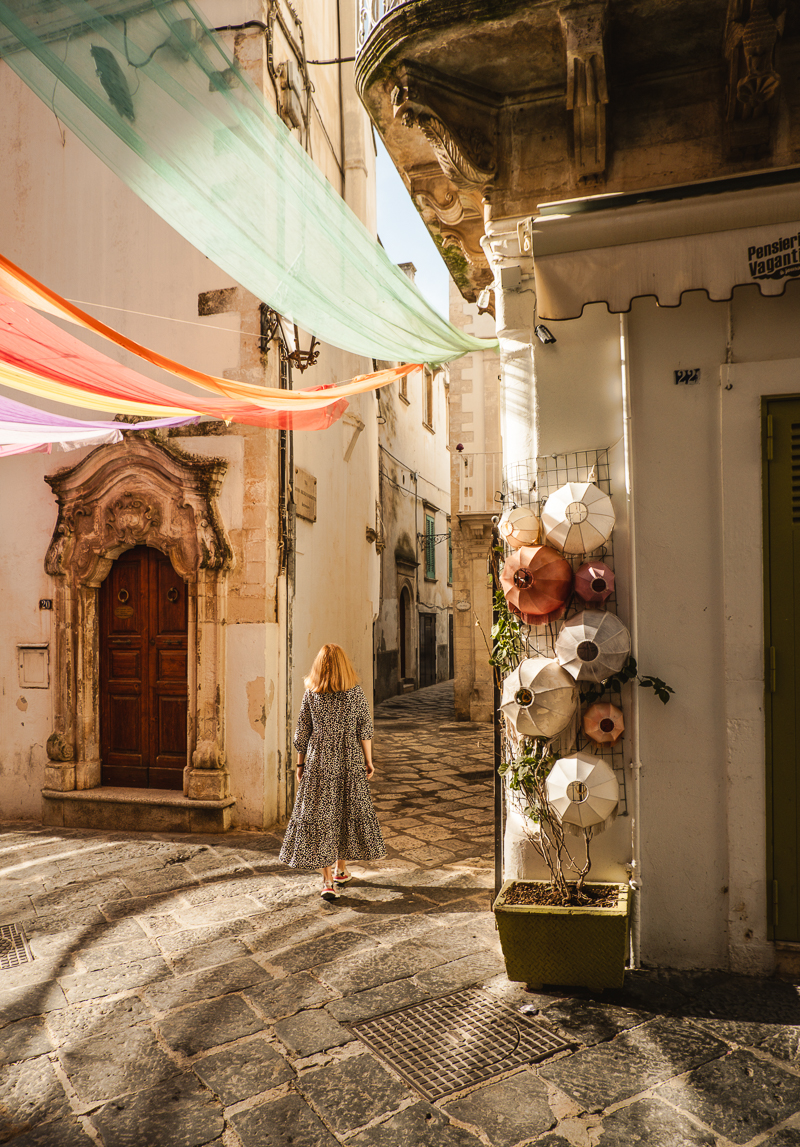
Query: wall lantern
x=603, y=723
x=594, y=582
x=519, y=527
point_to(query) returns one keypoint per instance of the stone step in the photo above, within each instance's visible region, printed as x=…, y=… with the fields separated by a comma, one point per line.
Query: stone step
x=135, y=810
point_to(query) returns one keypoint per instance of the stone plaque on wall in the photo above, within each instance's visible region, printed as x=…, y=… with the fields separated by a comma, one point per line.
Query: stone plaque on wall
x=305, y=494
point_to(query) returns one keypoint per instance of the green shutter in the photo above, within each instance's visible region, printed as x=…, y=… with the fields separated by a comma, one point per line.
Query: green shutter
x=430, y=546
x=781, y=437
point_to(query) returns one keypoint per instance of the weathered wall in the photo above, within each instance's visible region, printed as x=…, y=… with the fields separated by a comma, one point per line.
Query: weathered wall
x=119, y=260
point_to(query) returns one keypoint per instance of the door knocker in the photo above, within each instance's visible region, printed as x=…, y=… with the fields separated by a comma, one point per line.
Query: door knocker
x=123, y=596
x=172, y=594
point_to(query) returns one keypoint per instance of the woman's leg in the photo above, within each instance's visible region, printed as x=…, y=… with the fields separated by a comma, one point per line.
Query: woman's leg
x=327, y=875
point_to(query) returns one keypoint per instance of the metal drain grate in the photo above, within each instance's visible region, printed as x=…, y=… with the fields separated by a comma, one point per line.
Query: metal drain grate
x=14, y=947
x=456, y=1041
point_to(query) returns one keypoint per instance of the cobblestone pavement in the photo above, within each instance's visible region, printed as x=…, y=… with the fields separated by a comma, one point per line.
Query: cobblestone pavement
x=189, y=990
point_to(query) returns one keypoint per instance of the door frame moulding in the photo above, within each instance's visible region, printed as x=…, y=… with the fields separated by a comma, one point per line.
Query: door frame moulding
x=141, y=491
x=750, y=949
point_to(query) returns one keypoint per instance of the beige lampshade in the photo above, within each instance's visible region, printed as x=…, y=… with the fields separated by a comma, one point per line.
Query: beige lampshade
x=539, y=697
x=519, y=527
x=592, y=645
x=583, y=791
x=537, y=583
x=578, y=518
x=603, y=723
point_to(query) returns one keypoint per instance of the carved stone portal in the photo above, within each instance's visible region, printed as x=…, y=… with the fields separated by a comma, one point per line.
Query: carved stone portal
x=137, y=492
x=584, y=27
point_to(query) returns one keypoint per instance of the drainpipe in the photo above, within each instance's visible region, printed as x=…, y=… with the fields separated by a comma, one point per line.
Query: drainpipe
x=635, y=878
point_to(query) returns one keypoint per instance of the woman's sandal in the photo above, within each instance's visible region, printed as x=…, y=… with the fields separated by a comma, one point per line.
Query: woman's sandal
x=342, y=877
x=329, y=892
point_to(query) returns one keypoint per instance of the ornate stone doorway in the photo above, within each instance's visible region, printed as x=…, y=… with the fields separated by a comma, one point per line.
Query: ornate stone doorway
x=143, y=644
x=140, y=492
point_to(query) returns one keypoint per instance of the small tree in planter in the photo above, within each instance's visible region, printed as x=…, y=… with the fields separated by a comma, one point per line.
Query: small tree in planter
x=564, y=930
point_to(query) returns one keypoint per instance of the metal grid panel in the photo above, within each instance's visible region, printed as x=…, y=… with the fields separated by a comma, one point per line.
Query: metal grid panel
x=445, y=1045
x=532, y=483
x=14, y=947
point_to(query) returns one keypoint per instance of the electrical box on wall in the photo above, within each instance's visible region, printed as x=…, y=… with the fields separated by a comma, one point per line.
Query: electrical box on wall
x=33, y=662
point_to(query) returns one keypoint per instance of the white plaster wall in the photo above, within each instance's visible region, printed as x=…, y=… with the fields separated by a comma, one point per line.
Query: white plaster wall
x=678, y=554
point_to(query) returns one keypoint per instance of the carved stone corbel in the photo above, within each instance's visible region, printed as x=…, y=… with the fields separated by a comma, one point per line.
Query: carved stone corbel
x=752, y=30
x=583, y=26
x=464, y=153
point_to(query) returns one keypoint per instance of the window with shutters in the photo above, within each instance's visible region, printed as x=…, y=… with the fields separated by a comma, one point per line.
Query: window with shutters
x=430, y=547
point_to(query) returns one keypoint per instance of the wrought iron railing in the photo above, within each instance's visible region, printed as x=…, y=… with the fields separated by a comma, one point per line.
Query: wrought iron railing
x=370, y=12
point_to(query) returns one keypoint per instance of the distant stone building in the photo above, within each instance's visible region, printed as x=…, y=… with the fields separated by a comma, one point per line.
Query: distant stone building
x=414, y=627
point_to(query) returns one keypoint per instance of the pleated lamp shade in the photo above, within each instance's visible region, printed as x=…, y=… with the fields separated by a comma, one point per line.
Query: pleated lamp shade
x=603, y=723
x=583, y=791
x=592, y=645
x=594, y=582
x=578, y=518
x=537, y=583
x=519, y=527
x=539, y=698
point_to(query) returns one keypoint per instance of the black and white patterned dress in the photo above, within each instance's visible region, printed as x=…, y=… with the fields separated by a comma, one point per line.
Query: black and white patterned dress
x=333, y=814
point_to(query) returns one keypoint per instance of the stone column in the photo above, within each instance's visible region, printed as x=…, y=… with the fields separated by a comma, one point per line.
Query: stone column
x=515, y=300
x=472, y=597
x=207, y=777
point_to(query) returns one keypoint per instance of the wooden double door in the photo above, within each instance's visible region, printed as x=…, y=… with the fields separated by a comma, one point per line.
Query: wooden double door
x=143, y=664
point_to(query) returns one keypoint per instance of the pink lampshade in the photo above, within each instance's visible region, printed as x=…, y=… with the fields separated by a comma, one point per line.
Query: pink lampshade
x=537, y=583
x=594, y=581
x=603, y=723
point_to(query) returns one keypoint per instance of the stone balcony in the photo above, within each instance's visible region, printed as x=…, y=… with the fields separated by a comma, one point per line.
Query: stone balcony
x=490, y=107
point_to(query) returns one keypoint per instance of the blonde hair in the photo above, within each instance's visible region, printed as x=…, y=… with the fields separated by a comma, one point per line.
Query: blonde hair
x=332, y=671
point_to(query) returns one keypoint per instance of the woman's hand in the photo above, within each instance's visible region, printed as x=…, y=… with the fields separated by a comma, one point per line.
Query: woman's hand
x=299, y=771
x=370, y=770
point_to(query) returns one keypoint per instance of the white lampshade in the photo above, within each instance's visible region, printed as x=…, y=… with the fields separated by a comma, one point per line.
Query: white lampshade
x=583, y=791
x=519, y=527
x=578, y=518
x=592, y=645
x=539, y=698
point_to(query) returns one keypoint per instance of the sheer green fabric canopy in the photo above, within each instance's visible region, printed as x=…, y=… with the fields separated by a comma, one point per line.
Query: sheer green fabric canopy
x=151, y=91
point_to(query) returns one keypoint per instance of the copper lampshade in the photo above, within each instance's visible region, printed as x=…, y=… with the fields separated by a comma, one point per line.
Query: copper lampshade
x=519, y=527
x=537, y=583
x=594, y=582
x=603, y=723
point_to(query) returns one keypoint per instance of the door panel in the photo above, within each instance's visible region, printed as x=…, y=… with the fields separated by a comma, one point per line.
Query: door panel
x=782, y=583
x=143, y=663
x=427, y=649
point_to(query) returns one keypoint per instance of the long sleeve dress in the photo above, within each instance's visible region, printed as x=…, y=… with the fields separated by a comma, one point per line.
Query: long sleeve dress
x=333, y=814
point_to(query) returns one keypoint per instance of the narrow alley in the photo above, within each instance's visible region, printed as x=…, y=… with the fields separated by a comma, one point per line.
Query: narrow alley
x=189, y=990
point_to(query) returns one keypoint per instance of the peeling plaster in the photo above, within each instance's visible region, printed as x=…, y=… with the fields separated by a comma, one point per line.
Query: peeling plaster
x=259, y=704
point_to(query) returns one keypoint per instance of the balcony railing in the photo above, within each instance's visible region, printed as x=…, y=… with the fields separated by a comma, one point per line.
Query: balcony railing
x=370, y=12
x=480, y=482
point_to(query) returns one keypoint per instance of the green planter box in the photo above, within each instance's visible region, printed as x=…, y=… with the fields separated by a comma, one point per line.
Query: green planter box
x=580, y=947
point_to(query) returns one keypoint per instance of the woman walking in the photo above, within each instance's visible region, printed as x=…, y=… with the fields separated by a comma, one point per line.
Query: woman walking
x=333, y=820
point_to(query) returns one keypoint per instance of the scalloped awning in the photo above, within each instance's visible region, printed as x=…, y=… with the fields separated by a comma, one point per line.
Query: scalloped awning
x=711, y=243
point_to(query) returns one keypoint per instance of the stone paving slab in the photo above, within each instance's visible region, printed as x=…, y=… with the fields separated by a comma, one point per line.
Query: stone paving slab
x=190, y=991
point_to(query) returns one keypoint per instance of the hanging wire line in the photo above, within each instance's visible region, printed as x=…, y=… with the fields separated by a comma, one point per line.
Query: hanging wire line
x=184, y=128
